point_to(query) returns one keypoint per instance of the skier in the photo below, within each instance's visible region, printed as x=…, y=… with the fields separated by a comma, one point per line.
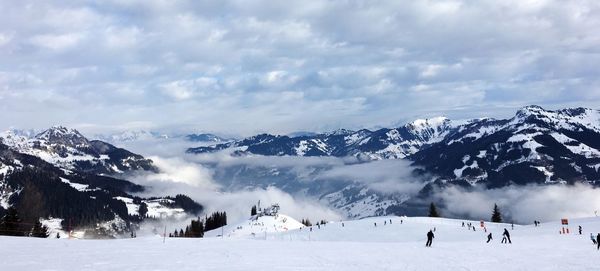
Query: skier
x=512, y=226
x=463, y=224
x=593, y=239
x=57, y=235
x=579, y=229
x=598, y=240
x=489, y=237
x=401, y=221
x=390, y=222
x=342, y=224
x=430, y=237
x=385, y=222
x=375, y=223
x=506, y=236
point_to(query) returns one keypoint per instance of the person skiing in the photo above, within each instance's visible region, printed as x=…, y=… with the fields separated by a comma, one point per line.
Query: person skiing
x=375, y=223
x=506, y=236
x=430, y=237
x=579, y=229
x=463, y=224
x=489, y=237
x=390, y=222
x=593, y=239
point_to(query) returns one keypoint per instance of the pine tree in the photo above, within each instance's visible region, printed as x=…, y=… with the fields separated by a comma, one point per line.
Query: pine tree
x=496, y=215
x=143, y=210
x=10, y=224
x=253, y=210
x=39, y=230
x=433, y=212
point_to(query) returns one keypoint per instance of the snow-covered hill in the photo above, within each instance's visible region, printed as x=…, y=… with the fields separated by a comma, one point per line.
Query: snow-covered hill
x=257, y=226
x=357, y=245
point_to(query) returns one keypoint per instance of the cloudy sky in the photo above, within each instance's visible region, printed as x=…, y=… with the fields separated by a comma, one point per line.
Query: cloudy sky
x=243, y=67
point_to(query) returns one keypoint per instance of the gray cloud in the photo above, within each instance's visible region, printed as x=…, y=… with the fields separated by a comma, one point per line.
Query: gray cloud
x=250, y=66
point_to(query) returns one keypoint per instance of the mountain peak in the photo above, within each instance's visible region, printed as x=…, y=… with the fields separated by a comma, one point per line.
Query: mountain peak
x=431, y=122
x=62, y=135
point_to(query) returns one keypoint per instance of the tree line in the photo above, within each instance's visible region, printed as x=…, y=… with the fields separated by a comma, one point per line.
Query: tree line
x=11, y=224
x=198, y=227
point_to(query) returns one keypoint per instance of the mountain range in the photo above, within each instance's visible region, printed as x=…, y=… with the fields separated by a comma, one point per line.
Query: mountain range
x=535, y=146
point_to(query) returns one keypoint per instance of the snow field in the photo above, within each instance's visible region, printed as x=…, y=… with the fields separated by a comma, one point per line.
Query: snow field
x=359, y=245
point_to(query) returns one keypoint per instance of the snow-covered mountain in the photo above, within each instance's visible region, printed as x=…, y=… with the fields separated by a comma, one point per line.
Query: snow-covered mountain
x=365, y=144
x=70, y=150
x=205, y=137
x=130, y=136
x=83, y=200
x=534, y=146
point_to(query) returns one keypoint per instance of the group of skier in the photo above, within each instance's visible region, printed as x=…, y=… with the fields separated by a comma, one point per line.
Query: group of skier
x=505, y=236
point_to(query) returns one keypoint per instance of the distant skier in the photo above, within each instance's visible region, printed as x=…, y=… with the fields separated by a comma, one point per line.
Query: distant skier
x=506, y=236
x=473, y=228
x=401, y=221
x=512, y=226
x=433, y=229
x=598, y=240
x=390, y=222
x=385, y=222
x=57, y=235
x=463, y=224
x=342, y=224
x=489, y=237
x=375, y=223
x=430, y=237
x=579, y=229
x=593, y=239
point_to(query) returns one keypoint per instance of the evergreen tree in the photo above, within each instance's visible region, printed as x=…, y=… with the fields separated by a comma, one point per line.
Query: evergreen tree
x=39, y=230
x=306, y=222
x=496, y=215
x=433, y=212
x=143, y=210
x=10, y=224
x=181, y=233
x=253, y=210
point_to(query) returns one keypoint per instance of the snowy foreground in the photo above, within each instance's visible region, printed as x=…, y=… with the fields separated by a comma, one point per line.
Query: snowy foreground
x=359, y=245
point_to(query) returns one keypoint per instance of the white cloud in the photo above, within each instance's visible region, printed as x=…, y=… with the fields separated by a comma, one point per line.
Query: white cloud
x=57, y=42
x=279, y=67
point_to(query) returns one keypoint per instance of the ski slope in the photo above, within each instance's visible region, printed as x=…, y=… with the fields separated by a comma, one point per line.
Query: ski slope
x=358, y=245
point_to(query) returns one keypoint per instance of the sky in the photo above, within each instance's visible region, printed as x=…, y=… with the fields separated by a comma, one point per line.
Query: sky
x=244, y=67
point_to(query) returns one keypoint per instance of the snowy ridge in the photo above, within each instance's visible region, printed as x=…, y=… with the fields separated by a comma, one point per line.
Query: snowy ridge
x=70, y=150
x=366, y=144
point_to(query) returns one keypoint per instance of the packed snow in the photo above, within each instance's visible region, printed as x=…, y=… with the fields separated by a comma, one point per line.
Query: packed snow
x=395, y=243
